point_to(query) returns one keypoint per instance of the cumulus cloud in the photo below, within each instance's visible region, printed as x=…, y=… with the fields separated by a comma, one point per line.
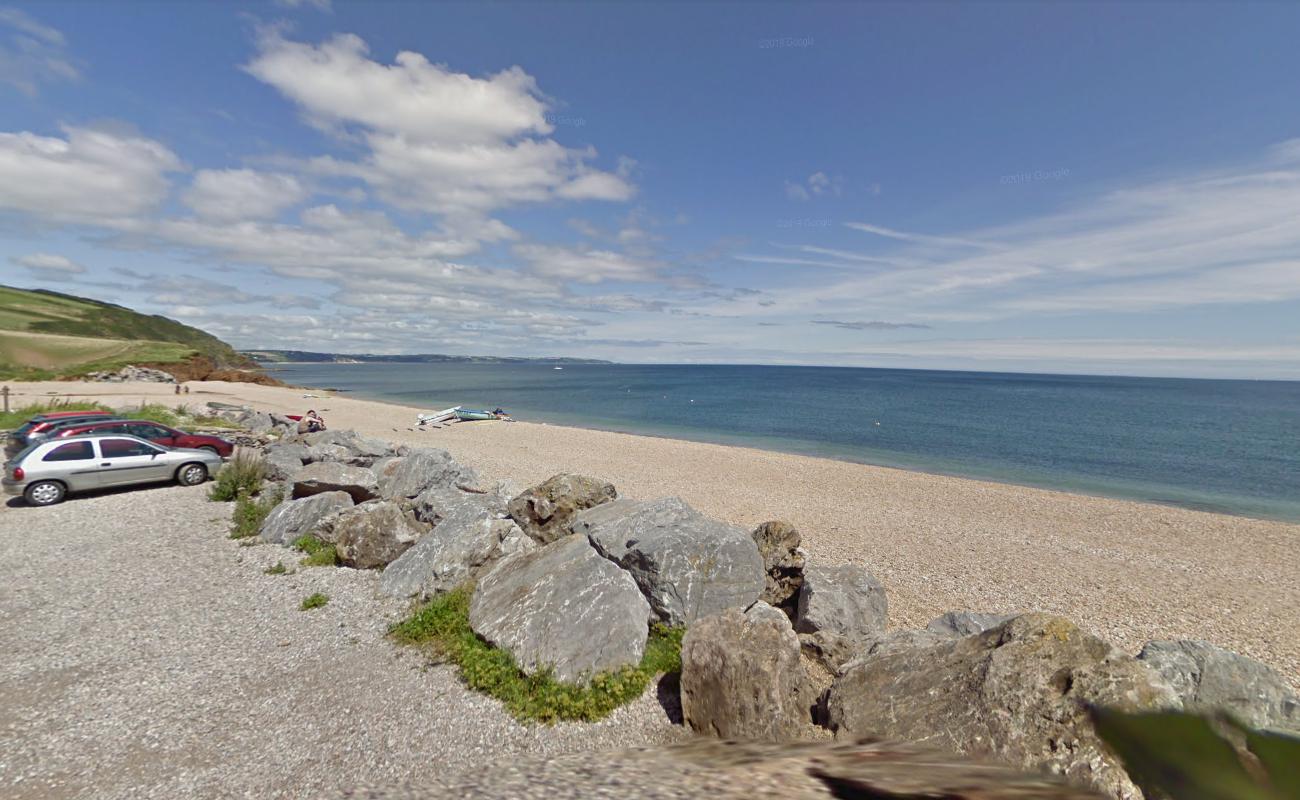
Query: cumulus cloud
x=239, y=194
x=436, y=140
x=815, y=185
x=32, y=53
x=91, y=175
x=47, y=263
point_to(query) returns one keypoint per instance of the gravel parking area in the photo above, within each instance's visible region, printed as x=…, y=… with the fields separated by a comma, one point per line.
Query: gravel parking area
x=146, y=655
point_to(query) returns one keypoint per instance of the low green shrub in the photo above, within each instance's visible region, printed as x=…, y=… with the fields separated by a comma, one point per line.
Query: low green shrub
x=251, y=512
x=243, y=473
x=278, y=569
x=319, y=553
x=314, y=601
x=443, y=624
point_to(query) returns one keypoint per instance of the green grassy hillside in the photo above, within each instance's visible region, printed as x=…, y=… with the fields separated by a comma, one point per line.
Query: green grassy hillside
x=46, y=334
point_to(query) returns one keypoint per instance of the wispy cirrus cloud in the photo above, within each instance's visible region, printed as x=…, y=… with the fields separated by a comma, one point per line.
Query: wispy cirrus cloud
x=32, y=53
x=872, y=325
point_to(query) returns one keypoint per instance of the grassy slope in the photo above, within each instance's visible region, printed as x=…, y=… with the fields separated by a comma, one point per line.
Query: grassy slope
x=45, y=334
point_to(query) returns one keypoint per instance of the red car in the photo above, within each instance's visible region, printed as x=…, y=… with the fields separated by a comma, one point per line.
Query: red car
x=39, y=426
x=154, y=432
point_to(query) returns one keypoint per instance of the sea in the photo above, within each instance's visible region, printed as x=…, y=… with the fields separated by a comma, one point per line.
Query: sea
x=1228, y=446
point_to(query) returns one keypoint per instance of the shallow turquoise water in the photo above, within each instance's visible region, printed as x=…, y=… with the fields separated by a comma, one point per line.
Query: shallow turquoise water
x=1227, y=446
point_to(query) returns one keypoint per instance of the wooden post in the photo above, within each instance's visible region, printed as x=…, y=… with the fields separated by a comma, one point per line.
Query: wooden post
x=5, y=392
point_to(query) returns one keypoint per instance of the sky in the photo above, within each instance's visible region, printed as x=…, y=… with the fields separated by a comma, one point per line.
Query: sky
x=1101, y=188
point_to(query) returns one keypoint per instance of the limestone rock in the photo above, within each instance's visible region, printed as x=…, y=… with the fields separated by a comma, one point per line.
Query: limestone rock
x=328, y=452
x=294, y=518
x=408, y=476
x=742, y=677
x=841, y=611
x=1016, y=693
x=562, y=606
x=688, y=566
x=331, y=476
x=1209, y=678
x=373, y=534
x=438, y=502
x=783, y=559
x=545, y=511
x=965, y=623
x=465, y=538
x=283, y=460
x=362, y=450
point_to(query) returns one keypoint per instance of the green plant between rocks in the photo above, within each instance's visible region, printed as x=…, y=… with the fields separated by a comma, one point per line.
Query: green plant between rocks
x=443, y=625
x=278, y=569
x=319, y=553
x=314, y=601
x=243, y=473
x=1173, y=754
x=251, y=512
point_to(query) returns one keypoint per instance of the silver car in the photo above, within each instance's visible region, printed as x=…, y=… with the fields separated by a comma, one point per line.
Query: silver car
x=46, y=472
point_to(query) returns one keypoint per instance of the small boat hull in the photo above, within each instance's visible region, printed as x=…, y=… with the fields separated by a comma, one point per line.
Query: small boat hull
x=469, y=415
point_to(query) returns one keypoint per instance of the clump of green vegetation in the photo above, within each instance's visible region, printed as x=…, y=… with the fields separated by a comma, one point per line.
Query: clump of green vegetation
x=314, y=601
x=250, y=513
x=1179, y=755
x=18, y=416
x=319, y=553
x=443, y=624
x=278, y=569
x=243, y=473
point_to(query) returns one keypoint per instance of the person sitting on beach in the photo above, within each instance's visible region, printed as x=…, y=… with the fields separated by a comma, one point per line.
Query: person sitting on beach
x=310, y=423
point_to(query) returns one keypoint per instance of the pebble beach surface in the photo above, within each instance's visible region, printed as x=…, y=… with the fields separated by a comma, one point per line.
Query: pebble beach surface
x=147, y=655
x=143, y=649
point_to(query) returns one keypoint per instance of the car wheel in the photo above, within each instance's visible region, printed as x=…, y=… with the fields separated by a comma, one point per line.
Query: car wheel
x=45, y=493
x=191, y=475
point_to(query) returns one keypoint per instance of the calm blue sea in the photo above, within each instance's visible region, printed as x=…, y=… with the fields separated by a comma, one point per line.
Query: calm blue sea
x=1227, y=446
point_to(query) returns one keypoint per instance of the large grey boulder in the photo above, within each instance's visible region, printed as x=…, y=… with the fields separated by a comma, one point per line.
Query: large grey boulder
x=408, y=476
x=965, y=623
x=687, y=565
x=742, y=677
x=283, y=460
x=1209, y=678
x=562, y=607
x=373, y=534
x=545, y=511
x=783, y=559
x=331, y=476
x=257, y=421
x=465, y=538
x=328, y=452
x=295, y=518
x=362, y=450
x=438, y=502
x=842, y=609
x=1017, y=693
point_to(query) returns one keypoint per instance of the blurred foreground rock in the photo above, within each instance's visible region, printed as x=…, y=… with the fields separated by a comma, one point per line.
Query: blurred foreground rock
x=729, y=770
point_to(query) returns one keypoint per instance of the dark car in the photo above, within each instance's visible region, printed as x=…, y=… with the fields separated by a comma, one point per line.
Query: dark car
x=42, y=423
x=150, y=431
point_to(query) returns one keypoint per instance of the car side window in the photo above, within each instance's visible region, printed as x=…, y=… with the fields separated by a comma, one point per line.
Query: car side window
x=121, y=448
x=72, y=451
x=147, y=431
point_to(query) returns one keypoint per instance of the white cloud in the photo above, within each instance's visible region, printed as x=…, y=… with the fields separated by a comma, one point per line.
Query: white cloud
x=238, y=194
x=47, y=263
x=815, y=185
x=891, y=233
x=90, y=175
x=32, y=54
x=319, y=5
x=584, y=265
x=436, y=140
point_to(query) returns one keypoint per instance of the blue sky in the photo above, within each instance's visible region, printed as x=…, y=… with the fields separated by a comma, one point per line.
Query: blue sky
x=1104, y=188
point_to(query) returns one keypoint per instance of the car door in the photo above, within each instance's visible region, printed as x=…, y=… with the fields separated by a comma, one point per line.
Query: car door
x=73, y=463
x=124, y=461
